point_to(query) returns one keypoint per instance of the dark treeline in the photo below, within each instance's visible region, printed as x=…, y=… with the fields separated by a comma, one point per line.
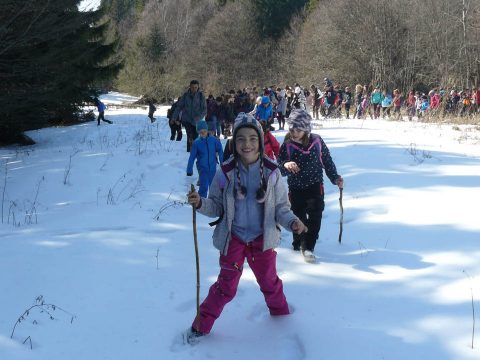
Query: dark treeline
x=228, y=44
x=53, y=58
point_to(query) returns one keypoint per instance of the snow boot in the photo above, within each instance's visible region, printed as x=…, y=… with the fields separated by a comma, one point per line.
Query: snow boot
x=309, y=256
x=192, y=336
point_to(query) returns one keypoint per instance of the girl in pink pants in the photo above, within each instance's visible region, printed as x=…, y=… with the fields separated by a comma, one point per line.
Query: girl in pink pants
x=250, y=199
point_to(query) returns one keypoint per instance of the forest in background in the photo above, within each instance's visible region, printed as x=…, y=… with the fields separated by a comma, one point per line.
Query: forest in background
x=54, y=57
x=228, y=44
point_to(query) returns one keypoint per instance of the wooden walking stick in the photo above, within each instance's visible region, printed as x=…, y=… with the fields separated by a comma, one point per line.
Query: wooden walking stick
x=194, y=220
x=341, y=216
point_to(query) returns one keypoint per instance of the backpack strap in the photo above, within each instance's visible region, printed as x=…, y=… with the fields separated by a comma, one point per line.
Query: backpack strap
x=316, y=142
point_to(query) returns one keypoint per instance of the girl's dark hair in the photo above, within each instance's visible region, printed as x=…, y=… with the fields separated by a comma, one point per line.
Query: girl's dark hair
x=241, y=191
x=305, y=139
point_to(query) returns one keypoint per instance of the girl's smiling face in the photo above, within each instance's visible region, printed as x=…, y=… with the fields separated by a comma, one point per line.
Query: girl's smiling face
x=247, y=145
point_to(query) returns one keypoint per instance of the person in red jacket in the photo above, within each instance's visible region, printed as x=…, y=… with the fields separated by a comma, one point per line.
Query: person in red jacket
x=271, y=145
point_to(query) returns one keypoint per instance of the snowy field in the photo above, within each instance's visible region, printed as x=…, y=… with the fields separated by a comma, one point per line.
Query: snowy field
x=94, y=222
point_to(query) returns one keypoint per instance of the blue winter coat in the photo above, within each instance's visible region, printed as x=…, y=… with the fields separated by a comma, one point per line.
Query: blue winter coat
x=205, y=150
x=100, y=106
x=264, y=113
x=387, y=101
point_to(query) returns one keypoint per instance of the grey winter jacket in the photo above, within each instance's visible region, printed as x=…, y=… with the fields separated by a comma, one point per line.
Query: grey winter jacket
x=221, y=203
x=192, y=106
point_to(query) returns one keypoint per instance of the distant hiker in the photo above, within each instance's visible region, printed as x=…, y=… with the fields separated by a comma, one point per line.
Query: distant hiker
x=151, y=110
x=358, y=101
x=281, y=109
x=397, y=104
x=264, y=112
x=411, y=104
x=303, y=156
x=299, y=100
x=376, y=100
x=204, y=152
x=329, y=98
x=347, y=101
x=101, y=111
x=250, y=199
x=212, y=116
x=387, y=104
x=174, y=124
x=316, y=101
x=193, y=106
x=224, y=116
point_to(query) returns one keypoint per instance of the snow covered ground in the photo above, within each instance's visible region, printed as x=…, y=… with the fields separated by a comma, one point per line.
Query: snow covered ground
x=94, y=220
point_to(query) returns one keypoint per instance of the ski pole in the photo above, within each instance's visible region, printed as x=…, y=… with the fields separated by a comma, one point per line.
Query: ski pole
x=194, y=220
x=341, y=216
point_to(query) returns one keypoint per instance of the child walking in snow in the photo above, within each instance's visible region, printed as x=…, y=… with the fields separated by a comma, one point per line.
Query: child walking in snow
x=174, y=124
x=101, y=111
x=250, y=199
x=204, y=150
x=303, y=156
x=151, y=110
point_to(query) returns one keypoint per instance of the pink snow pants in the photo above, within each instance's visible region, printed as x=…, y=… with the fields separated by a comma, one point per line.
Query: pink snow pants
x=224, y=289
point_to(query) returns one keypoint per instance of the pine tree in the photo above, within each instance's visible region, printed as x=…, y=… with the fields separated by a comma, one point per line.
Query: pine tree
x=273, y=16
x=51, y=57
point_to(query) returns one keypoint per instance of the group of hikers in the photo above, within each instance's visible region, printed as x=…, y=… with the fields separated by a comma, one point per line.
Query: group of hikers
x=327, y=101
x=246, y=192
x=443, y=102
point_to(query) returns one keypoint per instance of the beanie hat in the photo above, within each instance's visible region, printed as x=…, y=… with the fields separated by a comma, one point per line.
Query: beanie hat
x=202, y=125
x=247, y=120
x=244, y=120
x=300, y=119
x=265, y=99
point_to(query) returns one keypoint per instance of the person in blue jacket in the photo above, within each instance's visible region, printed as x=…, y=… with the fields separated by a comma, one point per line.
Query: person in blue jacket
x=387, y=104
x=264, y=112
x=101, y=111
x=204, y=150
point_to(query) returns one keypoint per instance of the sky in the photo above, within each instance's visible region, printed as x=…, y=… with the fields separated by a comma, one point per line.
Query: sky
x=94, y=222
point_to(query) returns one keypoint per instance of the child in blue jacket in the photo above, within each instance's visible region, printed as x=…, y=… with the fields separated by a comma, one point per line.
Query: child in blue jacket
x=204, y=150
x=101, y=111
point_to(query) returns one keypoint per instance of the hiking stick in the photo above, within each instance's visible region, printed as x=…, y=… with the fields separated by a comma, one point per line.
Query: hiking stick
x=194, y=220
x=341, y=216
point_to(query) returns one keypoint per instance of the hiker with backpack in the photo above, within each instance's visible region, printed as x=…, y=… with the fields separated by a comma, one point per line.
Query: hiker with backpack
x=250, y=199
x=193, y=106
x=174, y=123
x=303, y=157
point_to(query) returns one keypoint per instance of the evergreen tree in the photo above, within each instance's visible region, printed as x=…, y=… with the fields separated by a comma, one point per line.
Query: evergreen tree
x=51, y=57
x=273, y=16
